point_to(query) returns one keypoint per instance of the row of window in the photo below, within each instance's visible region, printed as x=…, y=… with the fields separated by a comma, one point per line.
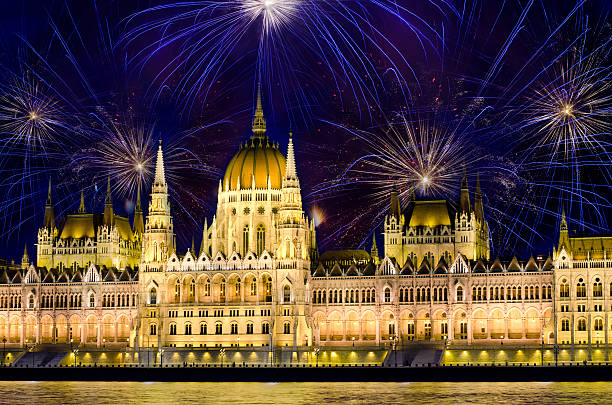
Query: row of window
x=581, y=325
x=10, y=301
x=344, y=296
x=514, y=293
x=581, y=289
x=249, y=330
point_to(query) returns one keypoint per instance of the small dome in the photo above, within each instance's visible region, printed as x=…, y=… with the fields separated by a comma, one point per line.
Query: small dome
x=258, y=157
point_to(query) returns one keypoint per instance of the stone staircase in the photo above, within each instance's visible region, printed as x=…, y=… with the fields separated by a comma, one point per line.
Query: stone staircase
x=421, y=355
x=43, y=356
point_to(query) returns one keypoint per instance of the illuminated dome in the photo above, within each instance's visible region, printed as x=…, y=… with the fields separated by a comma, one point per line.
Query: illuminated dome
x=259, y=158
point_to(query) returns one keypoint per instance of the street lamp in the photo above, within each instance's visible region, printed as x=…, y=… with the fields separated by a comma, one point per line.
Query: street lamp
x=316, y=352
x=3, y=350
x=353, y=339
x=161, y=358
x=75, y=352
x=222, y=354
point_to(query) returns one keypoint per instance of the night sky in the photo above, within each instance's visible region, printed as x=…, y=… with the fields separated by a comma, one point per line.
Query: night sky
x=378, y=94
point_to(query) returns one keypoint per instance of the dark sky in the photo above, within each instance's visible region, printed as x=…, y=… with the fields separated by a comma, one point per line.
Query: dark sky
x=475, y=69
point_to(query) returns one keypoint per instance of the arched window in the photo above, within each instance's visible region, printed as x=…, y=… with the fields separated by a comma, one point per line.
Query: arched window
x=580, y=289
x=237, y=287
x=153, y=329
x=177, y=292
x=222, y=289
x=245, y=240
x=387, y=294
x=581, y=324
x=286, y=294
x=265, y=328
x=565, y=325
x=203, y=329
x=598, y=326
x=173, y=329
x=218, y=328
x=268, y=281
x=253, y=287
x=31, y=301
x=597, y=288
x=286, y=328
x=564, y=289
x=261, y=238
x=92, y=300
x=187, y=329
x=249, y=328
x=459, y=294
x=207, y=288
x=234, y=328
x=192, y=290
x=153, y=296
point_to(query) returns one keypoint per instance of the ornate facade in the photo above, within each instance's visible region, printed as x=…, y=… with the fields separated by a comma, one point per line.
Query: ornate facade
x=257, y=278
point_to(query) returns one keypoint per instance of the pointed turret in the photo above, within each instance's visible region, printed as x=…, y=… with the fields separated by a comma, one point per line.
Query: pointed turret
x=374, y=249
x=395, y=208
x=25, y=260
x=464, y=204
x=478, y=208
x=49, y=220
x=564, y=241
x=109, y=216
x=193, y=245
x=159, y=183
x=259, y=122
x=204, y=243
x=138, y=226
x=82, y=204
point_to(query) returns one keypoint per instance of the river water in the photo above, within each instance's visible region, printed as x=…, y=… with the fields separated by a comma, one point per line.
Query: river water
x=305, y=393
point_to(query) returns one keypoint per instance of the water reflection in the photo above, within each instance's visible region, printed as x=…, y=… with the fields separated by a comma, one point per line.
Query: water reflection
x=305, y=393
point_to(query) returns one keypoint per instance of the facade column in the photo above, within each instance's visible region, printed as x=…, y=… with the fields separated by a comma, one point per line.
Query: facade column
x=21, y=333
x=506, y=320
x=37, y=331
x=377, y=330
x=116, y=327
x=451, y=328
x=524, y=328
x=68, y=331
x=360, y=328
x=488, y=327
x=83, y=335
x=99, y=334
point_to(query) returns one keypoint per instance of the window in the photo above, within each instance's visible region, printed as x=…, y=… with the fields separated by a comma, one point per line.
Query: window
x=459, y=294
x=192, y=290
x=268, y=281
x=218, y=328
x=580, y=289
x=207, y=288
x=187, y=329
x=249, y=329
x=261, y=239
x=245, y=240
x=565, y=325
x=203, y=329
x=153, y=296
x=387, y=295
x=598, y=325
x=564, y=289
x=286, y=328
x=286, y=294
x=222, y=290
x=234, y=329
x=177, y=292
x=253, y=287
x=173, y=329
x=265, y=328
x=597, y=288
x=153, y=329
x=581, y=324
x=31, y=301
x=92, y=301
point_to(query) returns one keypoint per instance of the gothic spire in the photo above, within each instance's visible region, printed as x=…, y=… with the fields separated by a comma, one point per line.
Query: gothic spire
x=464, y=204
x=374, y=249
x=395, y=209
x=109, y=216
x=82, y=205
x=204, y=244
x=49, y=220
x=290, y=172
x=478, y=199
x=138, y=226
x=259, y=122
x=160, y=175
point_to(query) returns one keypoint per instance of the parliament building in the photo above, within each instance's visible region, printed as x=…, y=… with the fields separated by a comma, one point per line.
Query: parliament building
x=258, y=280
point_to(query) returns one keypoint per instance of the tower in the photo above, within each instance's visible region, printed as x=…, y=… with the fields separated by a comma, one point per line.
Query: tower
x=394, y=223
x=109, y=215
x=138, y=225
x=374, y=249
x=49, y=220
x=158, y=238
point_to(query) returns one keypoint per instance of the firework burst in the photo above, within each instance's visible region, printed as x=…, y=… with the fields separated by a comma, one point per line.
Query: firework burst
x=293, y=44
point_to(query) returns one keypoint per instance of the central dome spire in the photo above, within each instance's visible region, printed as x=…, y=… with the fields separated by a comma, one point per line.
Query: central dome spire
x=259, y=122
